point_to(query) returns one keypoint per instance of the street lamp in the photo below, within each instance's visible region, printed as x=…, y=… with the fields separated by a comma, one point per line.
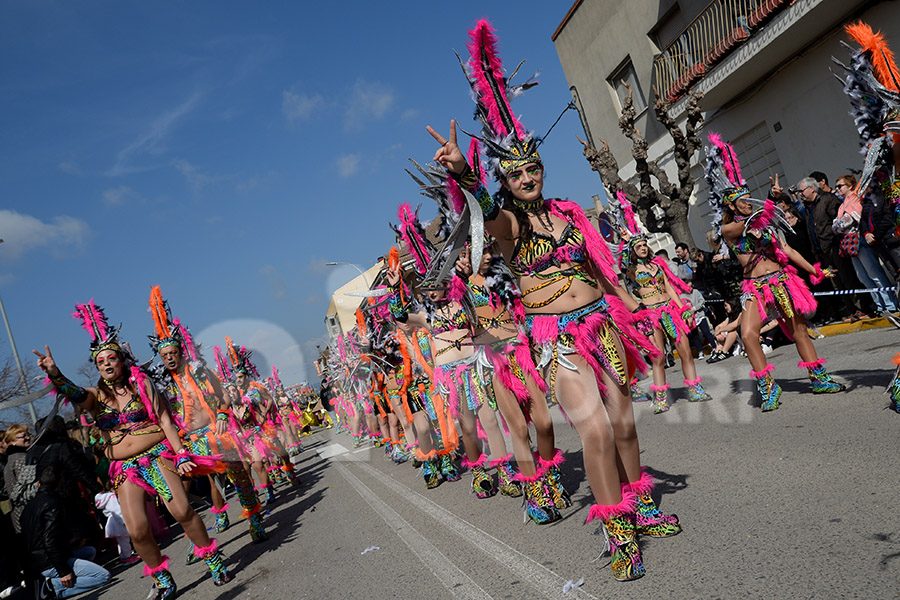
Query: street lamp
x=12, y=344
x=361, y=272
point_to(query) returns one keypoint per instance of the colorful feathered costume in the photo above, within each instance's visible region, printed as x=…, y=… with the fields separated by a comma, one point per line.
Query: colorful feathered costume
x=197, y=403
x=778, y=293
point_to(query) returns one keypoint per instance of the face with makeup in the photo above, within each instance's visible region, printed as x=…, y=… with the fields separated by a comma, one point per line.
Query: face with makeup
x=641, y=249
x=526, y=183
x=109, y=365
x=171, y=358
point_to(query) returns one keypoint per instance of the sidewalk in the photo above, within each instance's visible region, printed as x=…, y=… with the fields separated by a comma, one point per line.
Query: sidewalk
x=842, y=328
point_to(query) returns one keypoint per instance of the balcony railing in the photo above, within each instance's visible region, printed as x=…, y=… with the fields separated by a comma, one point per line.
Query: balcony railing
x=709, y=38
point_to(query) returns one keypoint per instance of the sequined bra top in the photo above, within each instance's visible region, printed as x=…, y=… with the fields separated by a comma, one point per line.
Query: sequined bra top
x=540, y=251
x=109, y=419
x=459, y=320
x=653, y=281
x=534, y=255
x=758, y=248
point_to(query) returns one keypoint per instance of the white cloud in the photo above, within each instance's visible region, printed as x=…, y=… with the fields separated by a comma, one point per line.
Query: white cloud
x=149, y=143
x=23, y=233
x=409, y=114
x=368, y=101
x=348, y=165
x=70, y=167
x=299, y=107
x=118, y=196
x=196, y=178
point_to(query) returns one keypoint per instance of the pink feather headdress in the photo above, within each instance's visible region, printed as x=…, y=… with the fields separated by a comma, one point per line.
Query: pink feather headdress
x=508, y=144
x=93, y=320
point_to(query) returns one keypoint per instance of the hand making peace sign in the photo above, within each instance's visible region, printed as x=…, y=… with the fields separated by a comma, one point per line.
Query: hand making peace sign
x=449, y=153
x=46, y=363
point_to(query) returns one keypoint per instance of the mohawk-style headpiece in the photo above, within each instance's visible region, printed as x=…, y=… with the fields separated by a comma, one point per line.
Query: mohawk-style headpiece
x=240, y=359
x=872, y=82
x=222, y=364
x=723, y=174
x=103, y=337
x=276, y=381
x=623, y=216
x=508, y=144
x=166, y=333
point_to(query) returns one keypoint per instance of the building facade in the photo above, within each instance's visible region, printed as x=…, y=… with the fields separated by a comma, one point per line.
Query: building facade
x=764, y=67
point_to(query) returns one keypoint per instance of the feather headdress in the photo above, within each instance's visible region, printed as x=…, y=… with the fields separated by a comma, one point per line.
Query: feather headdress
x=622, y=214
x=222, y=364
x=872, y=83
x=103, y=337
x=165, y=332
x=726, y=184
x=508, y=145
x=240, y=359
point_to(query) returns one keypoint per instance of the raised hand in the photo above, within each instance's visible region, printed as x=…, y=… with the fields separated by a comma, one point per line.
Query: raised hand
x=777, y=190
x=449, y=154
x=46, y=363
x=393, y=275
x=463, y=264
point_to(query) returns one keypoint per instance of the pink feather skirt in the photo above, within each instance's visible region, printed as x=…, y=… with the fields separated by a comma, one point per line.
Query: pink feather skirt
x=780, y=295
x=602, y=333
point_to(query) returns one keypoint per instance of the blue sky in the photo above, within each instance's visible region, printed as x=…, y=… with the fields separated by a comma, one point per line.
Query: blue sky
x=226, y=150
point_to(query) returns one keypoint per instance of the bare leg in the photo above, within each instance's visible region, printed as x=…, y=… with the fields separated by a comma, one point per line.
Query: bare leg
x=490, y=422
x=180, y=508
x=132, y=499
x=579, y=396
x=750, y=325
x=394, y=426
x=659, y=363
x=518, y=428
x=423, y=432
x=470, y=440
x=804, y=344
x=687, y=359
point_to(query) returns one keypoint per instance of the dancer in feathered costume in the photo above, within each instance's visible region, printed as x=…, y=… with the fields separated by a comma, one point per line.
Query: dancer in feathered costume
x=201, y=411
x=284, y=407
x=771, y=289
x=502, y=361
x=422, y=383
x=250, y=409
x=462, y=371
x=658, y=289
x=872, y=82
x=575, y=312
x=146, y=454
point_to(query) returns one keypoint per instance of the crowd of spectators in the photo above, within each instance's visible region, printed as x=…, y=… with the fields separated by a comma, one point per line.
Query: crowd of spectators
x=49, y=518
x=853, y=237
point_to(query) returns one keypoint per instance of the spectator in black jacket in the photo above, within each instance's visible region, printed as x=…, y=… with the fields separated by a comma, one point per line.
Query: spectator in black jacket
x=56, y=448
x=49, y=540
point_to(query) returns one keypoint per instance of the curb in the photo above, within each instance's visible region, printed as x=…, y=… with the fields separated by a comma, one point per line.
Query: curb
x=861, y=325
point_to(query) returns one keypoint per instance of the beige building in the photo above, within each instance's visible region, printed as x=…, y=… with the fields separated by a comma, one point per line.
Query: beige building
x=762, y=65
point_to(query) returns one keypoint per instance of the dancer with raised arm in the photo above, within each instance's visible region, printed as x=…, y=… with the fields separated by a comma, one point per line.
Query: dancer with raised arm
x=771, y=289
x=581, y=332
x=145, y=452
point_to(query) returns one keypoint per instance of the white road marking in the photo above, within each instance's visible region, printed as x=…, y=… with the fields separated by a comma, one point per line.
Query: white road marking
x=457, y=583
x=331, y=451
x=543, y=579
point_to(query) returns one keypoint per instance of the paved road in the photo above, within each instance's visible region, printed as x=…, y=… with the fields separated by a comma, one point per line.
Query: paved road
x=798, y=503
